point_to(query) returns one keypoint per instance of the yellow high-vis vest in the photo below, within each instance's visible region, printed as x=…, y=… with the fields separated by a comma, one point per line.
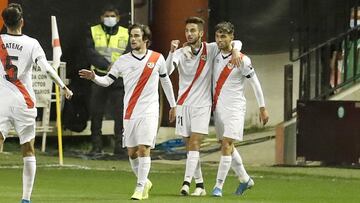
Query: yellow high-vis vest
x=109, y=46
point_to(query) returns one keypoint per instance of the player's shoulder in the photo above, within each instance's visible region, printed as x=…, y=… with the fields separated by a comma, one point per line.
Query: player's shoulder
x=155, y=52
x=246, y=59
x=125, y=57
x=30, y=39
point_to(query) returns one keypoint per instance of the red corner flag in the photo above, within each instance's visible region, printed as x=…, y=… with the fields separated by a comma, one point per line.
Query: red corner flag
x=55, y=43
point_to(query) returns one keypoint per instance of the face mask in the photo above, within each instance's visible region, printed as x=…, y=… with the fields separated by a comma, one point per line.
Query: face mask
x=352, y=22
x=110, y=21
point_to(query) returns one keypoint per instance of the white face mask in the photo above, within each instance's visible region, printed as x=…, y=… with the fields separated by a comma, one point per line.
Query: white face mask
x=352, y=22
x=110, y=21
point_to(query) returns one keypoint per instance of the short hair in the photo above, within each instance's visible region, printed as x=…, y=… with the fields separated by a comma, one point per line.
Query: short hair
x=110, y=8
x=12, y=15
x=196, y=20
x=225, y=27
x=144, y=29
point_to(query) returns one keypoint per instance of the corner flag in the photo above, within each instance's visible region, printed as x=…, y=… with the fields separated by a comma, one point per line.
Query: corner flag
x=56, y=63
x=55, y=43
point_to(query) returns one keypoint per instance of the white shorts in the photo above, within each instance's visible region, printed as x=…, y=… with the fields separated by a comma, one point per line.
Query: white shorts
x=192, y=120
x=230, y=124
x=23, y=120
x=140, y=131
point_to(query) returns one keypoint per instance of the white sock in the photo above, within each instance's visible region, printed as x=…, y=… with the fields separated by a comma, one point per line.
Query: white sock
x=191, y=163
x=29, y=171
x=224, y=166
x=143, y=172
x=238, y=166
x=134, y=163
x=198, y=174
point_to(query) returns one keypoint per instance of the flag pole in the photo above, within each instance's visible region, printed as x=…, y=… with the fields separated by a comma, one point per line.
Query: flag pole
x=56, y=63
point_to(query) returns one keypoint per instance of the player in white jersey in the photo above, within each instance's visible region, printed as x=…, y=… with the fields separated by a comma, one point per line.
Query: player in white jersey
x=194, y=98
x=141, y=70
x=18, y=53
x=229, y=105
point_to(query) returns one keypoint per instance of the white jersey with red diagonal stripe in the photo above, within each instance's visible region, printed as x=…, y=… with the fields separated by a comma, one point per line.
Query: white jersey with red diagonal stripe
x=18, y=53
x=200, y=92
x=231, y=97
x=131, y=67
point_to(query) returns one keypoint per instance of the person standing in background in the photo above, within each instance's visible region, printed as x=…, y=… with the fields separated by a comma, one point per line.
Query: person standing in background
x=106, y=42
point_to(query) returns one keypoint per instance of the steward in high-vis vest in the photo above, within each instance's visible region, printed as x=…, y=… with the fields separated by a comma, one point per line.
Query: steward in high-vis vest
x=106, y=42
x=111, y=45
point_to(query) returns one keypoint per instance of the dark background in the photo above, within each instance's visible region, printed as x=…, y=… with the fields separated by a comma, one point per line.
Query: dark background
x=73, y=19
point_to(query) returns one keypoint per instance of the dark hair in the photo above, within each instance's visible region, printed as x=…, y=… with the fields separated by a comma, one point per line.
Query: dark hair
x=225, y=27
x=12, y=15
x=110, y=8
x=196, y=20
x=145, y=30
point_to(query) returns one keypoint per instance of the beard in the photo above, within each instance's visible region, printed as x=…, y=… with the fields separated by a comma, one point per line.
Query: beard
x=194, y=41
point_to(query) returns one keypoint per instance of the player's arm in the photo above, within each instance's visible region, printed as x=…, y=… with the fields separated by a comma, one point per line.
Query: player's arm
x=236, y=55
x=168, y=89
x=44, y=65
x=171, y=63
x=255, y=84
x=103, y=81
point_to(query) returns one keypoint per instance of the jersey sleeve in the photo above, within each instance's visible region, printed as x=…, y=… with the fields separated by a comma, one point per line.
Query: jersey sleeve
x=37, y=52
x=166, y=82
x=172, y=61
x=162, y=65
x=116, y=69
x=212, y=49
x=246, y=68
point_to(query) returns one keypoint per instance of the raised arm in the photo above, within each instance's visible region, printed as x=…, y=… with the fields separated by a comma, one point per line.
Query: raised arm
x=171, y=63
x=236, y=57
x=45, y=66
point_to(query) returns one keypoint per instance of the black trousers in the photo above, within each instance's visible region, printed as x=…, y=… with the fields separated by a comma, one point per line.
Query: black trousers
x=99, y=100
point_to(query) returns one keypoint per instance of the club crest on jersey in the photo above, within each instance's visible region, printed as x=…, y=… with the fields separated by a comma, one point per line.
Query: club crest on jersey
x=230, y=65
x=203, y=57
x=150, y=65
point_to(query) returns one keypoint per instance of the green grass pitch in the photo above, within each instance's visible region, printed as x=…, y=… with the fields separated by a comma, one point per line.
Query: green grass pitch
x=81, y=181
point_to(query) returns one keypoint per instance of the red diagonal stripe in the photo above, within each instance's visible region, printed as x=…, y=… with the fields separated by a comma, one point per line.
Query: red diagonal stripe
x=3, y=55
x=145, y=75
x=220, y=83
x=197, y=75
x=221, y=80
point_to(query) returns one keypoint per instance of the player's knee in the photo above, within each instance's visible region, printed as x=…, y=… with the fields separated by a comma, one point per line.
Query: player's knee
x=28, y=149
x=143, y=150
x=132, y=153
x=226, y=147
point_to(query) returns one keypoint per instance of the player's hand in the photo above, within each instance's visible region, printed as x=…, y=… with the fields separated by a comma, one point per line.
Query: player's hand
x=236, y=58
x=68, y=93
x=174, y=45
x=87, y=74
x=264, y=116
x=172, y=114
